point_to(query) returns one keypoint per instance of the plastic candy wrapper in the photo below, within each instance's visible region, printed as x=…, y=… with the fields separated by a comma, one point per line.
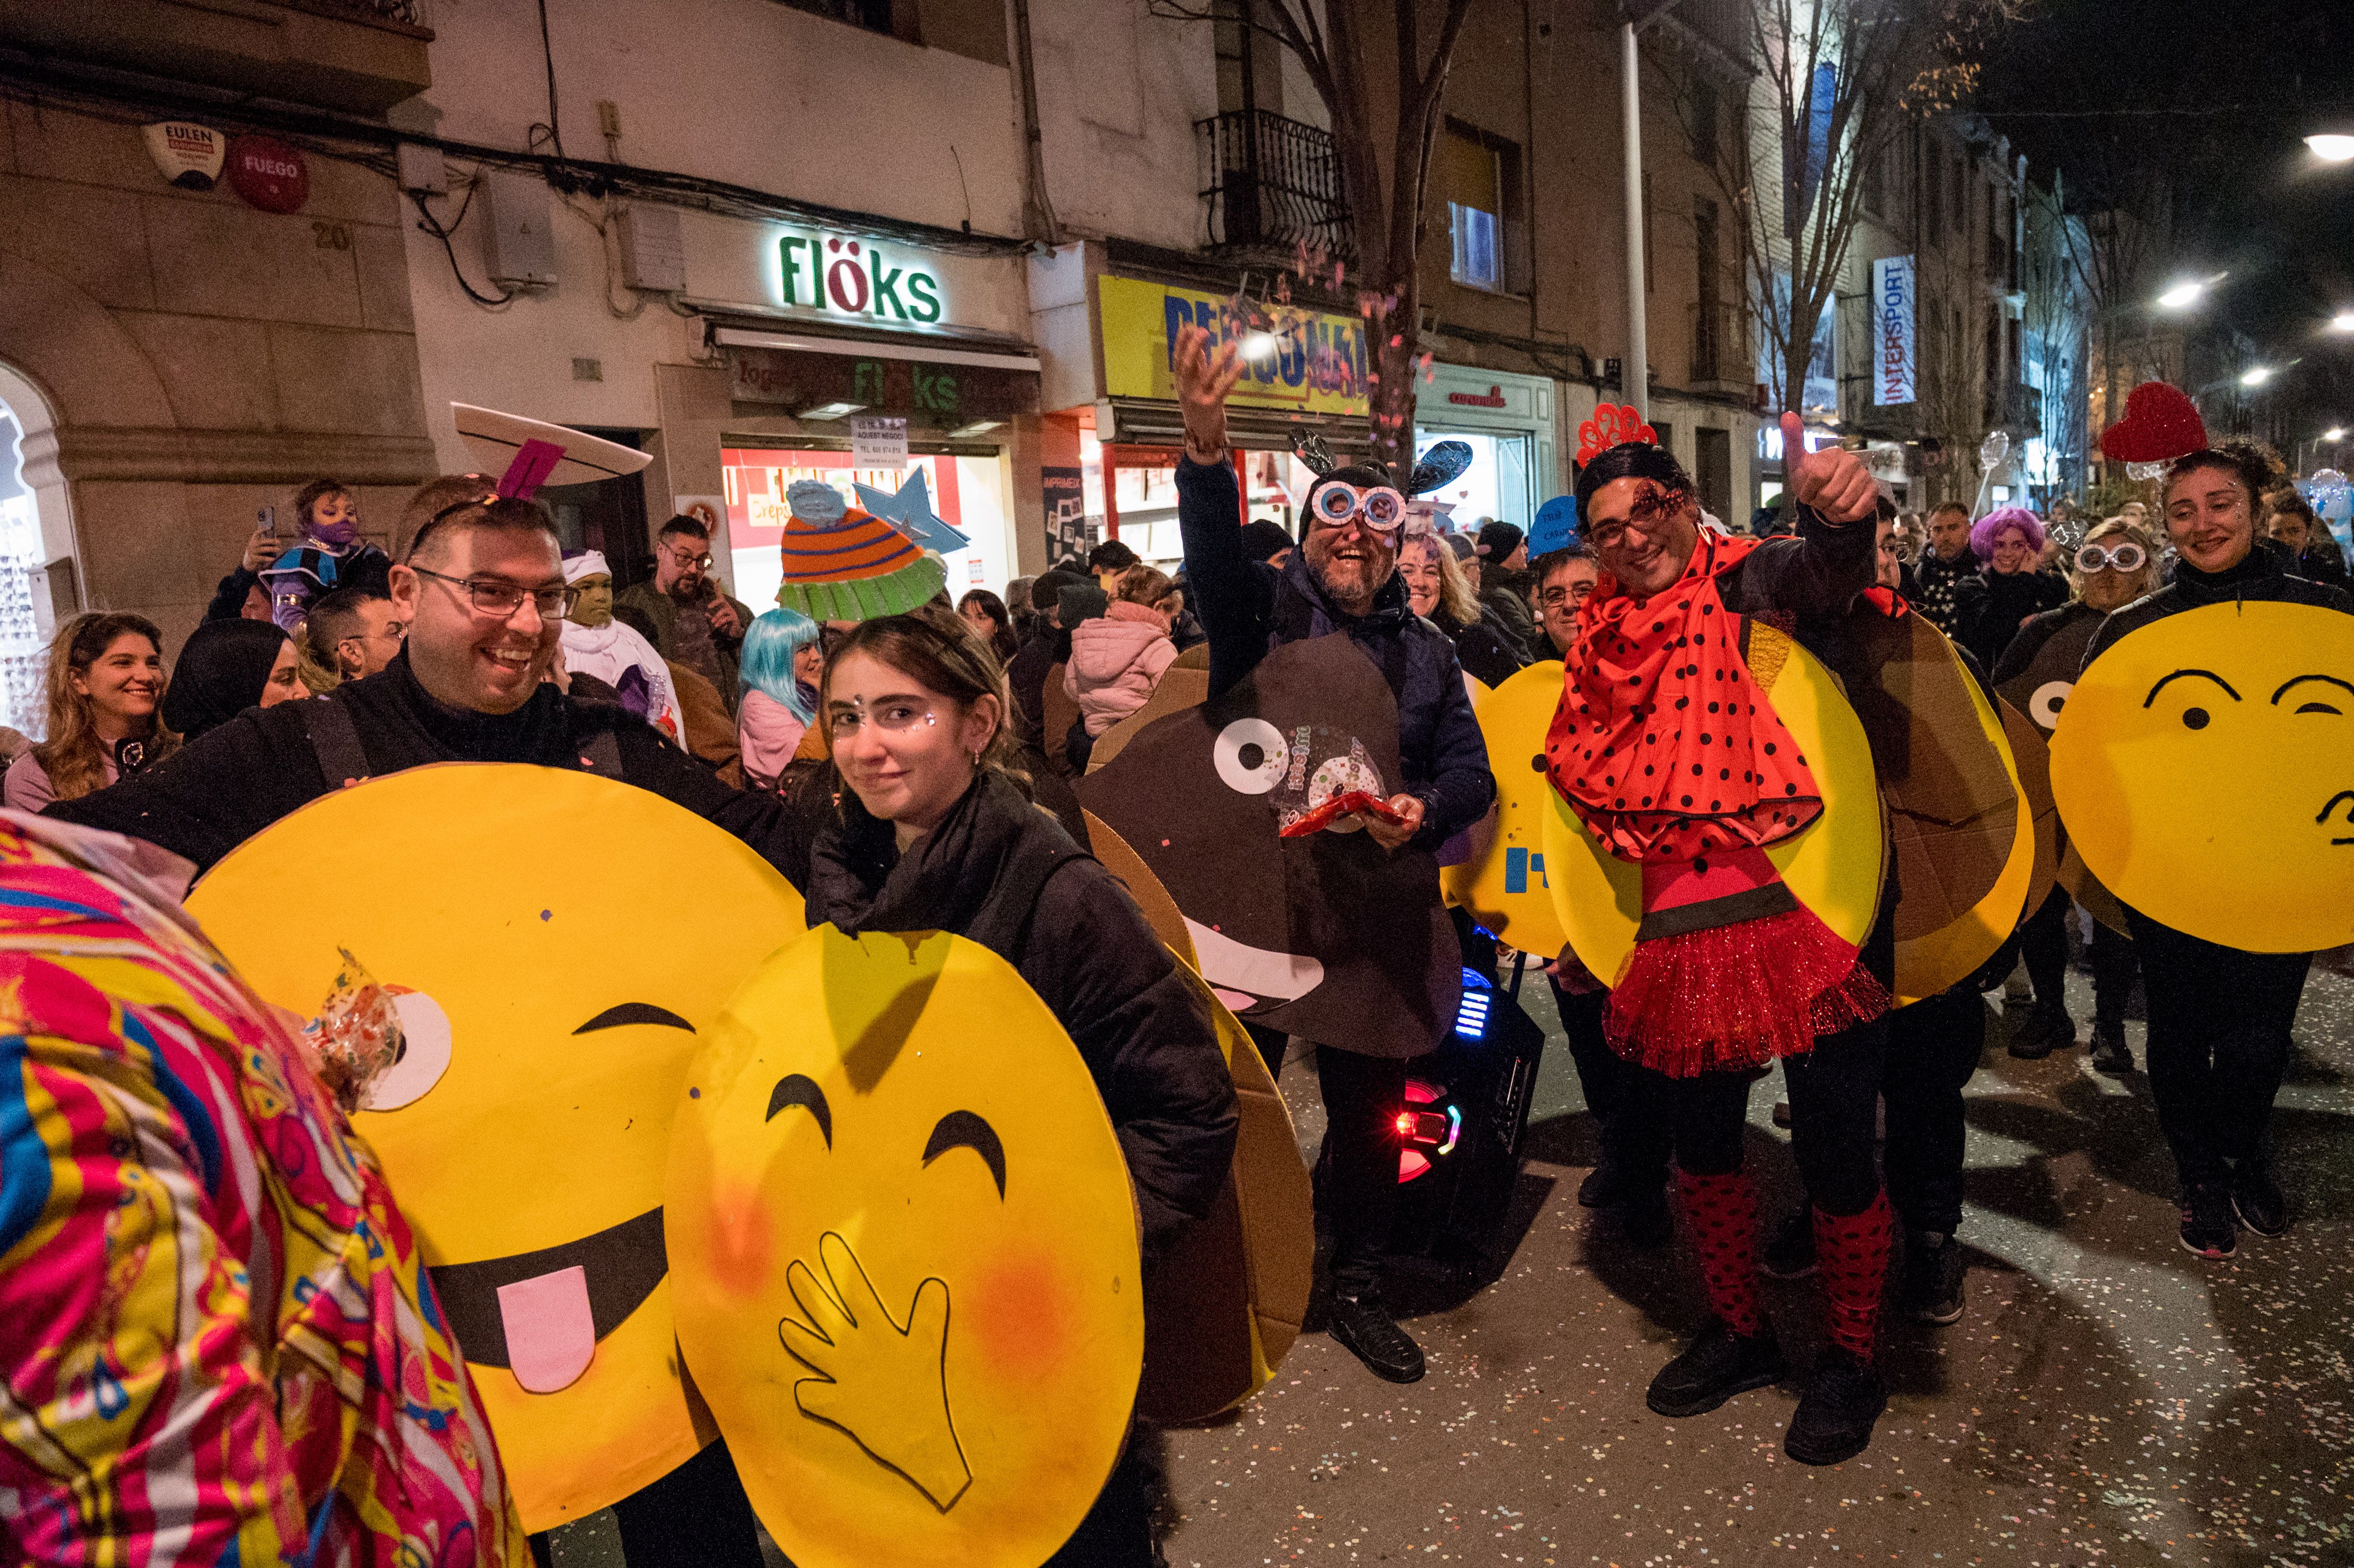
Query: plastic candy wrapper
x=357, y=1034
x=1323, y=816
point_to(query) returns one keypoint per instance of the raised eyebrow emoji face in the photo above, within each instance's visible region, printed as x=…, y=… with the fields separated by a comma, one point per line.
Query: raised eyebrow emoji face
x=905, y=1255
x=2204, y=767
x=549, y=1026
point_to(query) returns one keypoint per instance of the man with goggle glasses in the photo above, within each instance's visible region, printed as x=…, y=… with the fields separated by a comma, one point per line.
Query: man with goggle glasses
x=1342, y=578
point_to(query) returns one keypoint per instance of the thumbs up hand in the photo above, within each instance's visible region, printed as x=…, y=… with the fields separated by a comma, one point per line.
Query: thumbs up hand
x=1833, y=481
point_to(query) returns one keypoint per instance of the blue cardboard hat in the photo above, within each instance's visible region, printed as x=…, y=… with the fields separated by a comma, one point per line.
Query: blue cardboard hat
x=1555, y=527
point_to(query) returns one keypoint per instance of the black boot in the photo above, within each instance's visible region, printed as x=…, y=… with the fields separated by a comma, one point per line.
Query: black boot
x=1835, y=1416
x=1720, y=1364
x=1932, y=1290
x=2111, y=1054
x=1363, y=1324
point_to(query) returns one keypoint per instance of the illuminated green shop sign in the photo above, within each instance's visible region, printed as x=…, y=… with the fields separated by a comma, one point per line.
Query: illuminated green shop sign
x=853, y=278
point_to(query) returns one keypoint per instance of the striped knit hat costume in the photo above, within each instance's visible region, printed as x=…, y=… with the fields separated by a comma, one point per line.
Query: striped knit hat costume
x=842, y=562
x=1669, y=752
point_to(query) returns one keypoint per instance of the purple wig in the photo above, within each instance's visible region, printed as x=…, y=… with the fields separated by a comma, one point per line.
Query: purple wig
x=1990, y=527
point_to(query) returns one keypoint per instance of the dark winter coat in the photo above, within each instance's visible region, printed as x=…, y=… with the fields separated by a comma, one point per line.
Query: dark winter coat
x=1248, y=607
x=1504, y=595
x=998, y=871
x=1486, y=648
x=1945, y=591
x=2011, y=599
x=2256, y=579
x=233, y=782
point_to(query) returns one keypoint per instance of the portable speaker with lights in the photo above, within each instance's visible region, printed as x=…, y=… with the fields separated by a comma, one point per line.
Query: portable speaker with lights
x=1461, y=1127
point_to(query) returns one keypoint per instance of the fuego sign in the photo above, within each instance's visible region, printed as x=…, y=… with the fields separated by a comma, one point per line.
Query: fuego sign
x=850, y=277
x=1892, y=331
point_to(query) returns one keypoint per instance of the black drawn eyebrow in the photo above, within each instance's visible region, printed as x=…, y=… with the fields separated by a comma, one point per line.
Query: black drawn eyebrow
x=801, y=1089
x=2179, y=674
x=963, y=1129
x=634, y=1013
x=2346, y=686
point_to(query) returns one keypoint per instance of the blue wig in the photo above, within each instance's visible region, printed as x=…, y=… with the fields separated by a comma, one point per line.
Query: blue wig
x=766, y=665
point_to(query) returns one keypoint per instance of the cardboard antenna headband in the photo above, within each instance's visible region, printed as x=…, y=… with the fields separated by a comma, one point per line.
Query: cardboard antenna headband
x=1442, y=463
x=529, y=454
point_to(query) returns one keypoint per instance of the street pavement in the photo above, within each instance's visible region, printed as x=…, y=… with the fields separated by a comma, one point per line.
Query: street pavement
x=2107, y=1398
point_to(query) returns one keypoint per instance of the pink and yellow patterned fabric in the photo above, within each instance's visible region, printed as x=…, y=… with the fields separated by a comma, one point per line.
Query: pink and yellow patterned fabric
x=220, y=1343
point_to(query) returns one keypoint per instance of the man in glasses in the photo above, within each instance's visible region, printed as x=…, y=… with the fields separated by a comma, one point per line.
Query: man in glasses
x=694, y=623
x=482, y=591
x=1344, y=579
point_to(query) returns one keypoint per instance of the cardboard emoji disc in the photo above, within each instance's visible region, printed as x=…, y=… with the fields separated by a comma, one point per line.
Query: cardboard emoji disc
x=550, y=1016
x=1325, y=935
x=1506, y=887
x=1834, y=867
x=2041, y=691
x=2032, y=755
x=2204, y=767
x=906, y=1257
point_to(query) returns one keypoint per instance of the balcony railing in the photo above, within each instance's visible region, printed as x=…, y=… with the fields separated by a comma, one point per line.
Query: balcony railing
x=1271, y=183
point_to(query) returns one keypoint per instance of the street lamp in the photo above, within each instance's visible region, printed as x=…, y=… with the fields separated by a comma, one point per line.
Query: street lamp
x=2334, y=434
x=2256, y=376
x=2342, y=322
x=2182, y=296
x=2332, y=147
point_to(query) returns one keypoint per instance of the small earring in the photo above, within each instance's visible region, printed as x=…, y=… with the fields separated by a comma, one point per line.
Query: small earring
x=976, y=760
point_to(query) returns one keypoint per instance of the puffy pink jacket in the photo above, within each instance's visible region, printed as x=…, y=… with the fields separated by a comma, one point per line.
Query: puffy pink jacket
x=1116, y=660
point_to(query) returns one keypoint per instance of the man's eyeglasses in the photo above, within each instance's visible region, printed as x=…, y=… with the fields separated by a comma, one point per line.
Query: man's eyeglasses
x=503, y=599
x=1554, y=597
x=1651, y=507
x=683, y=559
x=892, y=715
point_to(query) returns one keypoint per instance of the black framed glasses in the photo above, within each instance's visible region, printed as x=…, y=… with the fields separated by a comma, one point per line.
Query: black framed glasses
x=503, y=599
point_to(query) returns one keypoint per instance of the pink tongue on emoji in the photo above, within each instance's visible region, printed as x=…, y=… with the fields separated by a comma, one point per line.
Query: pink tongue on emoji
x=550, y=1334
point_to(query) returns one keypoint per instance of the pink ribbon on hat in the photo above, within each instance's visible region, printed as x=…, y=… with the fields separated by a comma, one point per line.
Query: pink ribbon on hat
x=533, y=462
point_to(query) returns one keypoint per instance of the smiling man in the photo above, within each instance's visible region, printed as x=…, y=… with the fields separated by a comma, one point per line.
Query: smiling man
x=483, y=592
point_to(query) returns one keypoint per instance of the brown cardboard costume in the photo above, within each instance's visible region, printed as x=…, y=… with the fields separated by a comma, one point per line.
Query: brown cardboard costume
x=1328, y=935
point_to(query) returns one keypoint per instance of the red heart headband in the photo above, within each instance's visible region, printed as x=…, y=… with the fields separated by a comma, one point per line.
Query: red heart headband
x=2160, y=425
x=1613, y=424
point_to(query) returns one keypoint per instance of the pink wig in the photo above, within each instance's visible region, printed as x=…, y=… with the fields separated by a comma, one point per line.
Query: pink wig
x=1995, y=524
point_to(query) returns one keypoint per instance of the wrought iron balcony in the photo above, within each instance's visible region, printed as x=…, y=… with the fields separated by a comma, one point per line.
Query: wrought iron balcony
x=1271, y=183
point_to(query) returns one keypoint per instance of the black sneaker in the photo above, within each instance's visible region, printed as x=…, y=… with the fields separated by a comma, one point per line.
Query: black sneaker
x=1363, y=1324
x=2039, y=1033
x=1720, y=1364
x=2111, y=1054
x=2257, y=1199
x=1835, y=1416
x=1595, y=1190
x=1791, y=1253
x=2207, y=1228
x=1932, y=1290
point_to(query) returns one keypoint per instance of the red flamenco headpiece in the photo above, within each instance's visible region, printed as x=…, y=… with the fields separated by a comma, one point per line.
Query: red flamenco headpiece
x=1614, y=424
x=1667, y=747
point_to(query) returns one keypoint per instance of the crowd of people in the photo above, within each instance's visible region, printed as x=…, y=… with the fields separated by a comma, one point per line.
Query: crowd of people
x=889, y=769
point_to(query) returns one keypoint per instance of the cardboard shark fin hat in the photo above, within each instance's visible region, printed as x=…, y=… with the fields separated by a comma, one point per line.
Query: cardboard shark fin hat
x=529, y=454
x=844, y=563
x=1323, y=935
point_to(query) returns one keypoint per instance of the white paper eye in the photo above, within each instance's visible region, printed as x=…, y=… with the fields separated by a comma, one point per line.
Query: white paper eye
x=1251, y=756
x=2050, y=697
x=424, y=1054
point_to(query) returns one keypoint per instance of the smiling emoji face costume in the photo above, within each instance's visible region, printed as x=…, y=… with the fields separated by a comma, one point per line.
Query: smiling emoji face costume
x=2204, y=769
x=551, y=1009
x=904, y=1256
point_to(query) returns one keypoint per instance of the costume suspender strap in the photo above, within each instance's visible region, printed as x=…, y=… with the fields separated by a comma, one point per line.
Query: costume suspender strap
x=336, y=740
x=344, y=761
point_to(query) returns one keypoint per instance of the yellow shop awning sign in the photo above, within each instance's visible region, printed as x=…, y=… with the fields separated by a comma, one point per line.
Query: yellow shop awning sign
x=1317, y=367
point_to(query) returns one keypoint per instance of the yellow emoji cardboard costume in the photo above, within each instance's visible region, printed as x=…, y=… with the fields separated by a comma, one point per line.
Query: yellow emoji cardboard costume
x=2204, y=769
x=1506, y=886
x=904, y=1255
x=1834, y=867
x=550, y=1015
x=2032, y=755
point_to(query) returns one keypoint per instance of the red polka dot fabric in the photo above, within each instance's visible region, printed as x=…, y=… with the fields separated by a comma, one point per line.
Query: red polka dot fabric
x=1663, y=744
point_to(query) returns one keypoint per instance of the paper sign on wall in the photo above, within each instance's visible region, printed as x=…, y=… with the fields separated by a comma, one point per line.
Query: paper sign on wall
x=878, y=443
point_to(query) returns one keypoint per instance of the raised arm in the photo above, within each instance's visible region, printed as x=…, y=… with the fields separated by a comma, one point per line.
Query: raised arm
x=1831, y=561
x=1230, y=592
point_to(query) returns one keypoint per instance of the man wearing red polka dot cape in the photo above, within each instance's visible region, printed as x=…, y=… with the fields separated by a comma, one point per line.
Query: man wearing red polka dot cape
x=1673, y=757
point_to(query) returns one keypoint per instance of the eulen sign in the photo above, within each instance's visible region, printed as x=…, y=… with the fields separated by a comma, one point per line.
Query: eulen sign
x=1892, y=331
x=850, y=277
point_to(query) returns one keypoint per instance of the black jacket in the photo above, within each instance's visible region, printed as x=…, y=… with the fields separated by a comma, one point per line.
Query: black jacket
x=1504, y=594
x=1486, y=648
x=232, y=783
x=1046, y=647
x=2011, y=599
x=2257, y=578
x=998, y=871
x=1248, y=607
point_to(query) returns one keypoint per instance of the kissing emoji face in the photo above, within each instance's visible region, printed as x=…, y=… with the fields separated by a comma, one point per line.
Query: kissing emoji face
x=905, y=1255
x=2204, y=767
x=550, y=1010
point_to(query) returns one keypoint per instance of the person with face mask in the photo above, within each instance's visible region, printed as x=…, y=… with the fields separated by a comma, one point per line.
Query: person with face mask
x=1342, y=580
x=2219, y=1017
x=606, y=650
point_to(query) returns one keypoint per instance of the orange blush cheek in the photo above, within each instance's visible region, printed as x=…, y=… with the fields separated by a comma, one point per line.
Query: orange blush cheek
x=1022, y=1314
x=740, y=1230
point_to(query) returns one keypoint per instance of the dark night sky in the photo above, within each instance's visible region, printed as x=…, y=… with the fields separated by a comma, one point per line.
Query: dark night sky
x=2213, y=101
